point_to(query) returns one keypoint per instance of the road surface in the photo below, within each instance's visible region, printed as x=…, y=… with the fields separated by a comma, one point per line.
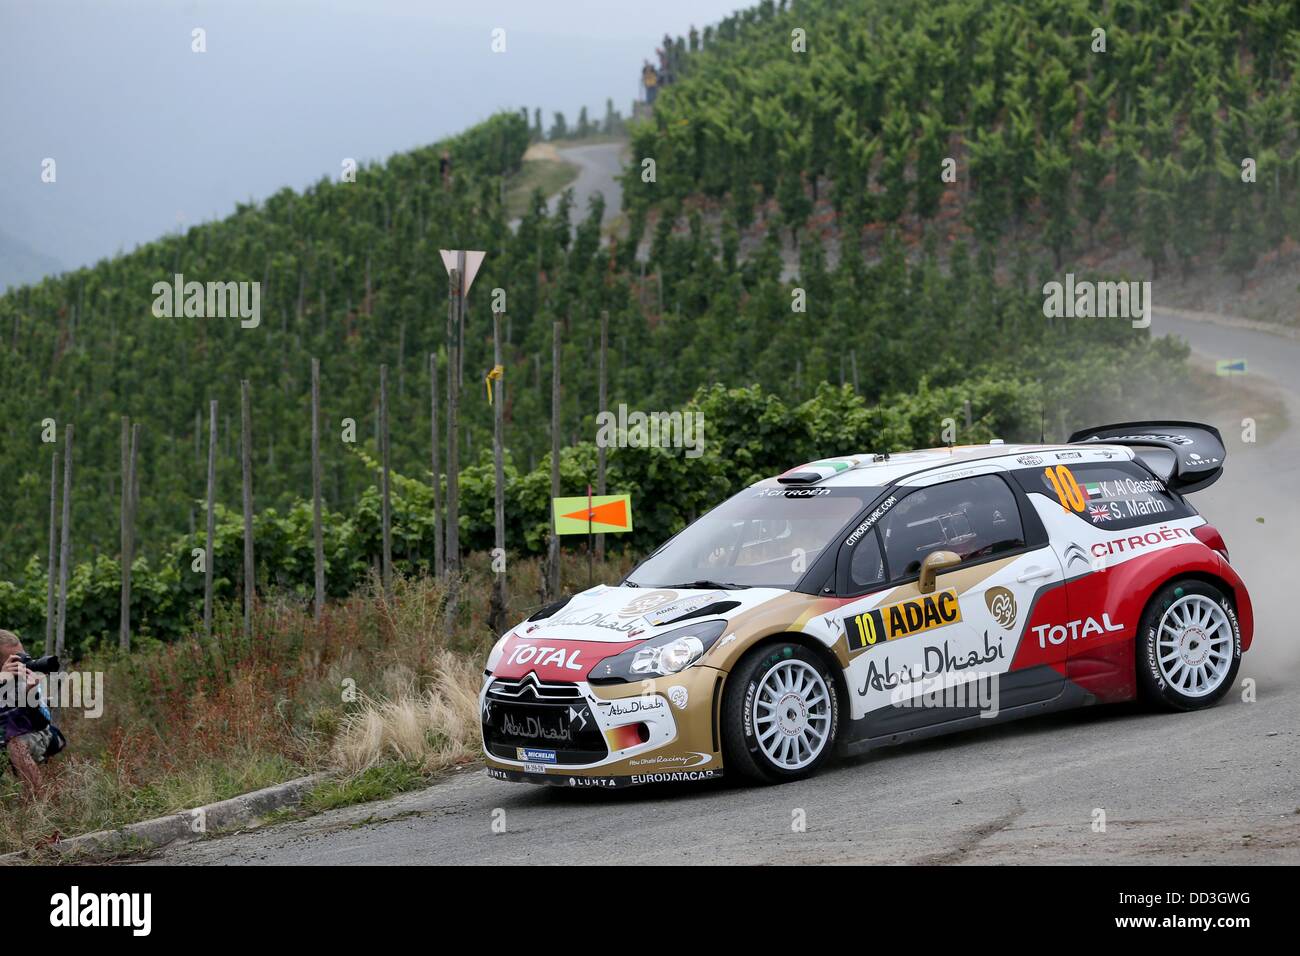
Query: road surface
x=598, y=165
x=1219, y=786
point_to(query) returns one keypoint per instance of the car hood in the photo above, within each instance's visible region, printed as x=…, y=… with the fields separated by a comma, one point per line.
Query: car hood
x=604, y=621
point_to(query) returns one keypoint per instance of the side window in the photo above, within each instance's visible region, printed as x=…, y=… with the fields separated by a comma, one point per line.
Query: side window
x=867, y=566
x=975, y=517
x=1110, y=495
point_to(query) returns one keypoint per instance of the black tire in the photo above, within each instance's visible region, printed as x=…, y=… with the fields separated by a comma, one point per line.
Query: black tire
x=1154, y=683
x=742, y=754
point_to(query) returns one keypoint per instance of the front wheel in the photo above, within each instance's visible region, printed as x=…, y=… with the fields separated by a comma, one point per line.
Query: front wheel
x=1189, y=645
x=780, y=714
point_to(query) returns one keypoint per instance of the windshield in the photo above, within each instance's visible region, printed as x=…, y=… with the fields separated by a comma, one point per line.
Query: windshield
x=763, y=537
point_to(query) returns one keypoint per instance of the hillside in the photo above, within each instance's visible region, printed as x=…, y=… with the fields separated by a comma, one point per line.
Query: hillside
x=1080, y=138
x=758, y=150
x=349, y=272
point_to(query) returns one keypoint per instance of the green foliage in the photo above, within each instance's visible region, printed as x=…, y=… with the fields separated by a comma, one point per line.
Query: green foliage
x=888, y=87
x=749, y=434
x=374, y=783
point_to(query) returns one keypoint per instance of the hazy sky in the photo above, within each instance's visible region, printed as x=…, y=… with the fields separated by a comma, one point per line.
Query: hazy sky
x=148, y=135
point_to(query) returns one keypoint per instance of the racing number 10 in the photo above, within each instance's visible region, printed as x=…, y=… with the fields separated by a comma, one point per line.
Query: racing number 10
x=866, y=629
x=1066, y=487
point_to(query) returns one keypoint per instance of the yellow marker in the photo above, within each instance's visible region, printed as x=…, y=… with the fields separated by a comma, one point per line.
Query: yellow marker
x=496, y=373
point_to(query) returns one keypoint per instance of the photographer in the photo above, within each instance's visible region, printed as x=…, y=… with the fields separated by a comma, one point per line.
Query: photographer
x=25, y=730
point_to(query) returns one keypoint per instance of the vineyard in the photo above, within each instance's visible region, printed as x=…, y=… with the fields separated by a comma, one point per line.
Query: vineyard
x=760, y=153
x=1068, y=126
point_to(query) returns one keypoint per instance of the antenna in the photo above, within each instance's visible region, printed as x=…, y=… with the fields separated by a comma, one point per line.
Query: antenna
x=1042, y=427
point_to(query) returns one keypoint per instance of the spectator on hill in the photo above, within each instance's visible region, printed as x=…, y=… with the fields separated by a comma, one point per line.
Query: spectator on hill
x=25, y=731
x=649, y=80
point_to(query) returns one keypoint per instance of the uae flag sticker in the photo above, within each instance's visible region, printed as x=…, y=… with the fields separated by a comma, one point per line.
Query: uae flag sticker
x=1093, y=489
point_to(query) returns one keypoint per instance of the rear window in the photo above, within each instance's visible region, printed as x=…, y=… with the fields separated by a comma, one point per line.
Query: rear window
x=1111, y=496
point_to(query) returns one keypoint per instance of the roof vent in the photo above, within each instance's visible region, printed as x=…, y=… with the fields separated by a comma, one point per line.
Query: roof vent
x=996, y=441
x=815, y=471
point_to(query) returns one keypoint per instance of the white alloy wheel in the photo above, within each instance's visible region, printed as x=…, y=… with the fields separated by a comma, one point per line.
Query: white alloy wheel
x=792, y=714
x=1194, y=645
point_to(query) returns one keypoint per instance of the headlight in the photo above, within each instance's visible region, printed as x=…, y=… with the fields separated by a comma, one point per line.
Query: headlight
x=667, y=654
x=669, y=659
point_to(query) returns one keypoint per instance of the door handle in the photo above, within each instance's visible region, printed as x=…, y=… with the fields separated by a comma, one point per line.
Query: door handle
x=1033, y=574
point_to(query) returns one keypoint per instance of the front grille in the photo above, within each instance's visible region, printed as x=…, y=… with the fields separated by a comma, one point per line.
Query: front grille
x=530, y=688
x=528, y=714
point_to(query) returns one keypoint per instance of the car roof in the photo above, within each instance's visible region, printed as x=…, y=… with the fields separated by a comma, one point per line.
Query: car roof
x=928, y=465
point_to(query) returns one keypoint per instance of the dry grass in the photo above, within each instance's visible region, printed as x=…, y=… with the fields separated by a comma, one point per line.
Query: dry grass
x=383, y=689
x=432, y=728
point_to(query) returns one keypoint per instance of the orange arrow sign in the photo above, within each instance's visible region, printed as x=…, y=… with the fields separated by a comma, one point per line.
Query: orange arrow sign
x=610, y=514
x=613, y=512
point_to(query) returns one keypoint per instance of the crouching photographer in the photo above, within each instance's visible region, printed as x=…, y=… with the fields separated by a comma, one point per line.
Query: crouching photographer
x=27, y=732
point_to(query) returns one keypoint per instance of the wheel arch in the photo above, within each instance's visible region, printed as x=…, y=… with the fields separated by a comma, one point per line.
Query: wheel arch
x=824, y=653
x=1200, y=575
x=1194, y=574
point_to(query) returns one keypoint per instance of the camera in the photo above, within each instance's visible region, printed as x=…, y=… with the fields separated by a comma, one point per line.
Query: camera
x=41, y=665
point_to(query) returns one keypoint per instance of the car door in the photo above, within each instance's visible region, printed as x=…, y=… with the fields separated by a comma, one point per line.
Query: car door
x=921, y=655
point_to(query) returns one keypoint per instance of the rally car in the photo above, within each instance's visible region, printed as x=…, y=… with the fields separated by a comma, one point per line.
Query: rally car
x=873, y=599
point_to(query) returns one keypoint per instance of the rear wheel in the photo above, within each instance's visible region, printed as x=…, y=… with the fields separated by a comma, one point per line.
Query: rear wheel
x=1189, y=645
x=780, y=713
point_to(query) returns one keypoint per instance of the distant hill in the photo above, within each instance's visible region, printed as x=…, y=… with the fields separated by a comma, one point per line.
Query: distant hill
x=21, y=264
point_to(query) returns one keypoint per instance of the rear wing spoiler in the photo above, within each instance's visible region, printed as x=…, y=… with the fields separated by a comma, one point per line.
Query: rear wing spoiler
x=1187, y=456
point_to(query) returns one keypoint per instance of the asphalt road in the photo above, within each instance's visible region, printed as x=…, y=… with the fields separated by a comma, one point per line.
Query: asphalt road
x=1219, y=786
x=598, y=165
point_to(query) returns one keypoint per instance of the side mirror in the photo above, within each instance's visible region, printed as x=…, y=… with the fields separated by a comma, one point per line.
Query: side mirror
x=935, y=562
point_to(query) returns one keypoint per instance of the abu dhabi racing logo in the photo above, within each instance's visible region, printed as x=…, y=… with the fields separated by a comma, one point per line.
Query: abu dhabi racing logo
x=645, y=603
x=1002, y=605
x=678, y=761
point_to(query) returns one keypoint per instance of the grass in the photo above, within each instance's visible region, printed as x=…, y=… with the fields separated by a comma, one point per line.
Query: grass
x=431, y=728
x=551, y=175
x=382, y=691
x=374, y=783
x=93, y=795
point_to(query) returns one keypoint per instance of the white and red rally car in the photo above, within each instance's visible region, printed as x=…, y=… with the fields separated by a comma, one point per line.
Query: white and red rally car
x=868, y=600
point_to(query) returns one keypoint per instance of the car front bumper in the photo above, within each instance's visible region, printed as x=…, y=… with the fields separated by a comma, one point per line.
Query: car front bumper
x=662, y=730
